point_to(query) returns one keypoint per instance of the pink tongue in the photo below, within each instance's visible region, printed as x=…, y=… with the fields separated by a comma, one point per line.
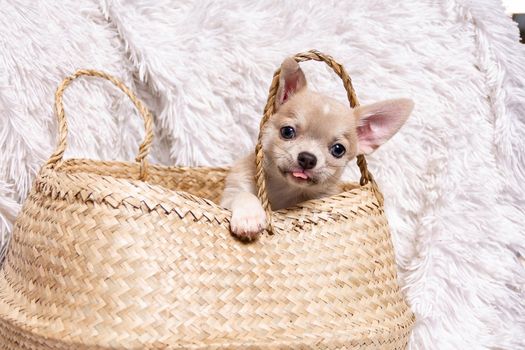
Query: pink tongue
x=300, y=174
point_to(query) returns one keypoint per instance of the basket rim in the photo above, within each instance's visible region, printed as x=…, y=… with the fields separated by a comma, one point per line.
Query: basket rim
x=142, y=195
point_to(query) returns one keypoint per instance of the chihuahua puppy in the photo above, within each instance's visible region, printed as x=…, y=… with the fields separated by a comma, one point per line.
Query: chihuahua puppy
x=307, y=143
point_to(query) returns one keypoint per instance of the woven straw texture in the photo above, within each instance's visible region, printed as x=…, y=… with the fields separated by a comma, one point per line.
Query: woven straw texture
x=116, y=255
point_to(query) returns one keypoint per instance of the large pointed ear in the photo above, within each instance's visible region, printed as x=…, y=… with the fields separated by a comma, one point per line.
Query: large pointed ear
x=291, y=81
x=378, y=122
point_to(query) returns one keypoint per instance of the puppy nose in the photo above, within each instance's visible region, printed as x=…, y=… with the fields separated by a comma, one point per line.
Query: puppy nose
x=306, y=160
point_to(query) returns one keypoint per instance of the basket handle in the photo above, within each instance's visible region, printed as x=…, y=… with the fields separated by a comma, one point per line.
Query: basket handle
x=269, y=110
x=144, y=147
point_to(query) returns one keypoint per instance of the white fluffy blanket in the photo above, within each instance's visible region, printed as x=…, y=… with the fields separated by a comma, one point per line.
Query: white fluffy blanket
x=453, y=178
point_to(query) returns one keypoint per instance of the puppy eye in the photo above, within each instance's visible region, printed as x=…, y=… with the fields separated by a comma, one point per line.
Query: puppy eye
x=337, y=150
x=287, y=132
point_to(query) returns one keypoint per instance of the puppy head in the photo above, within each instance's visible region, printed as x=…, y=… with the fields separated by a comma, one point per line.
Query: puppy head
x=311, y=137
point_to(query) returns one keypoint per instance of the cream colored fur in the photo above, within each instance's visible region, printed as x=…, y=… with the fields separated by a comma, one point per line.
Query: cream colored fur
x=319, y=122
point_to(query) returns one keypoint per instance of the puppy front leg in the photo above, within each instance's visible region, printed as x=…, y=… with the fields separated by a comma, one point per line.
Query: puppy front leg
x=248, y=216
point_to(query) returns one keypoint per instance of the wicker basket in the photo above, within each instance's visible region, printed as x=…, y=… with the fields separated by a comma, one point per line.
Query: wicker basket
x=123, y=255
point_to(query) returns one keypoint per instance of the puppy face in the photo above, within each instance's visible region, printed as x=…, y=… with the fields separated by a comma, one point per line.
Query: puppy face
x=312, y=137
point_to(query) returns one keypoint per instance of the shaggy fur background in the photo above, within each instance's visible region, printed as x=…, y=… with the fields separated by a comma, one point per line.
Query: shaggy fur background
x=453, y=178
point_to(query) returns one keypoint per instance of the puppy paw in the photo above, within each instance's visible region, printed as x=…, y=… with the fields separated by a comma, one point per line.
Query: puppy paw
x=248, y=221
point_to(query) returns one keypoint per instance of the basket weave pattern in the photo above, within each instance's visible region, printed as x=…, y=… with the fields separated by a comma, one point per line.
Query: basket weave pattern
x=118, y=255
